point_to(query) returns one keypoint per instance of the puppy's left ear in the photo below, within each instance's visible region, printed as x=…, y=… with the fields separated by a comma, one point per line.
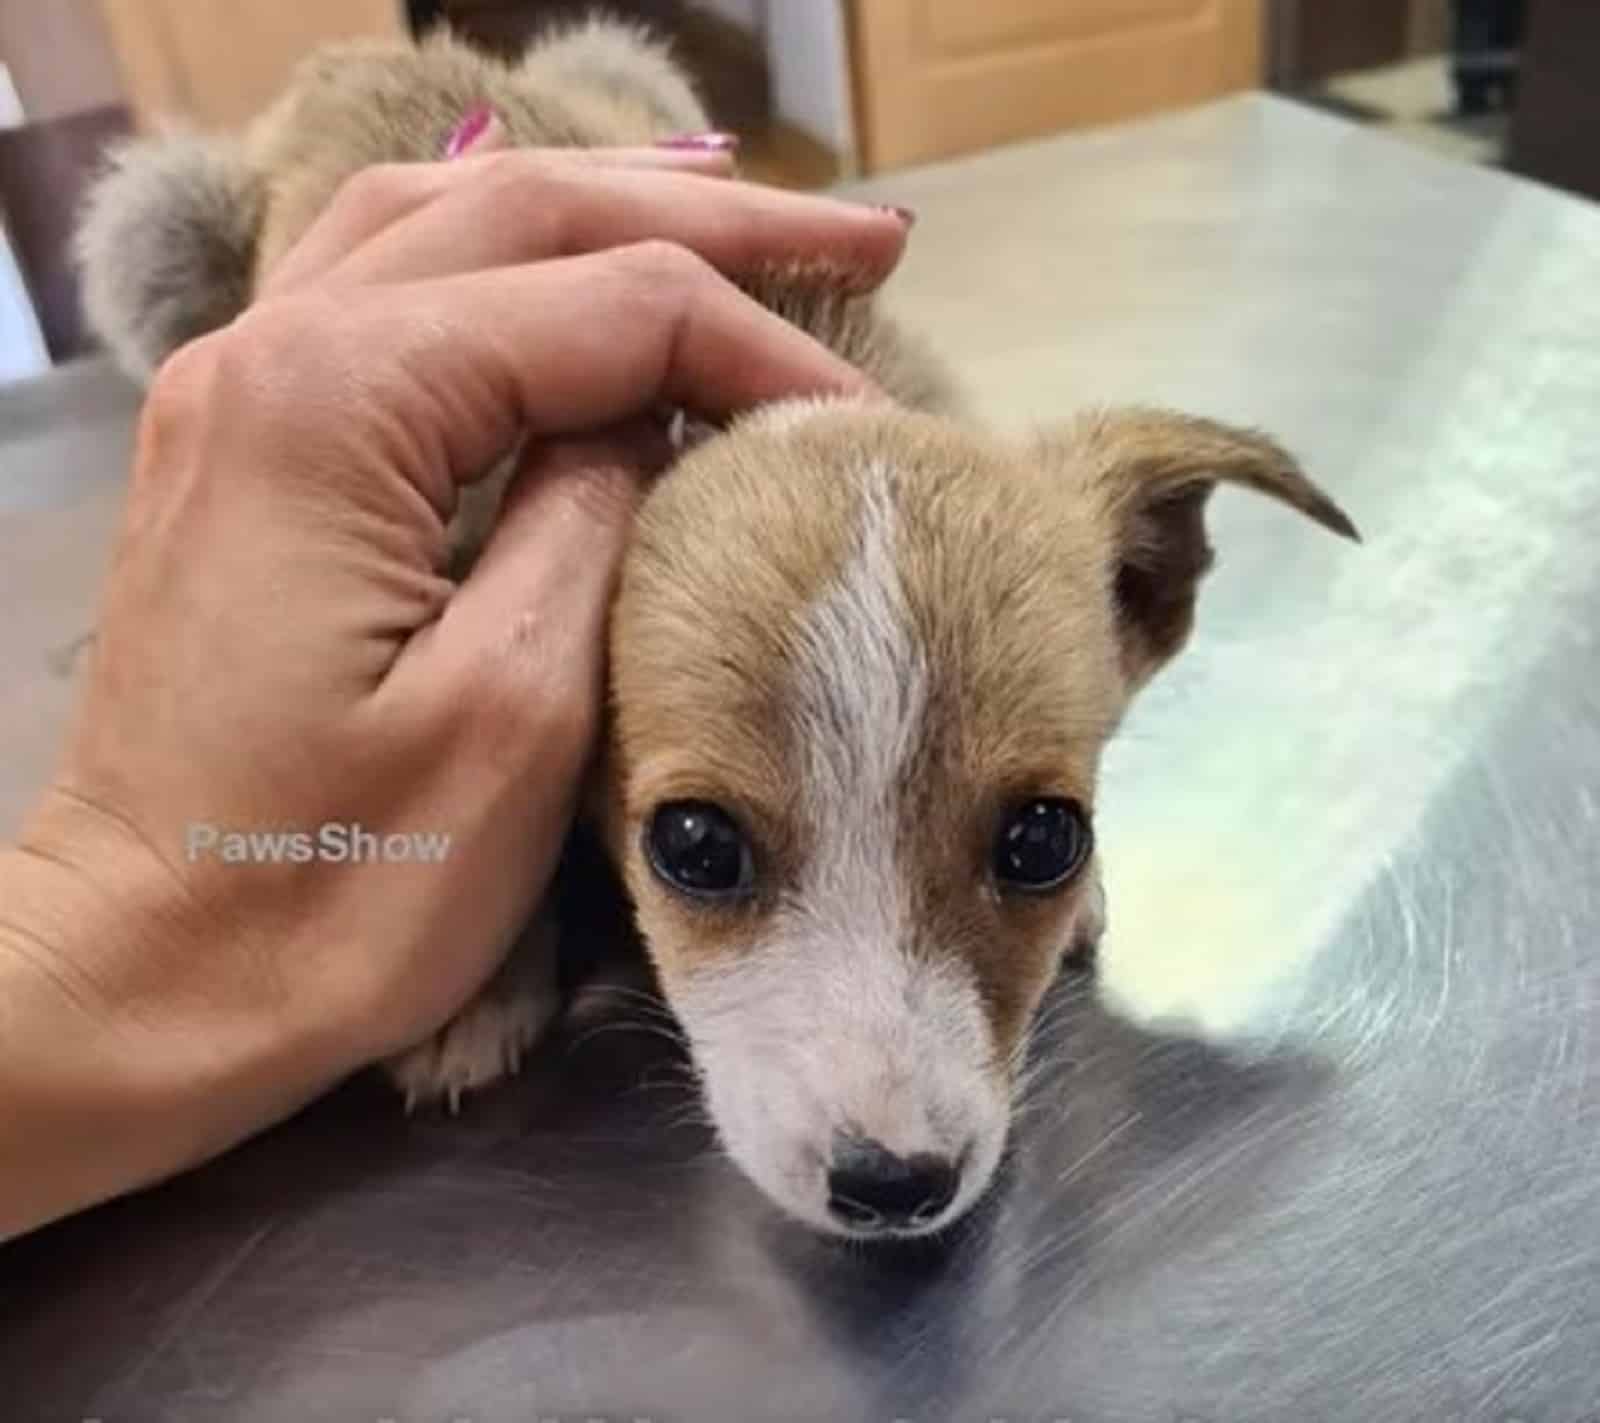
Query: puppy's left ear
x=1148, y=474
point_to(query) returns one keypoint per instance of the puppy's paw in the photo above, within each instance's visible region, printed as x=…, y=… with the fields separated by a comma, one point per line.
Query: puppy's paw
x=486, y=1041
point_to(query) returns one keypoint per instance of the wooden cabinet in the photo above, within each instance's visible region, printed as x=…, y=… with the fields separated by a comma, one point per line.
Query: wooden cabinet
x=940, y=77
x=217, y=64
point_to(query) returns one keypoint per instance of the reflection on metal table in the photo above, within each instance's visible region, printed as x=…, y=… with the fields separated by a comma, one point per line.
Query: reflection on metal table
x=1326, y=1143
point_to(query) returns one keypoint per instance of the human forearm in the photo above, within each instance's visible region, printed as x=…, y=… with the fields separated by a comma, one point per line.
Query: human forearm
x=116, y=1068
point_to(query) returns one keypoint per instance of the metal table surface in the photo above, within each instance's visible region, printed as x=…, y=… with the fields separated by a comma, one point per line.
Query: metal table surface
x=1326, y=1142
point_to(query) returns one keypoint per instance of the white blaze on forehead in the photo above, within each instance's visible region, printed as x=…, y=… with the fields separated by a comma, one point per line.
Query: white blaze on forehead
x=859, y=696
x=841, y=1015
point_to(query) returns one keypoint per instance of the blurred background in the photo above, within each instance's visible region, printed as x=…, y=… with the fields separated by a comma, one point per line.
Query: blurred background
x=819, y=89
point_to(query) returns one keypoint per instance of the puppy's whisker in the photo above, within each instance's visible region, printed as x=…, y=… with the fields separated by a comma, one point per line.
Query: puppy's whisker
x=636, y=997
x=668, y=1033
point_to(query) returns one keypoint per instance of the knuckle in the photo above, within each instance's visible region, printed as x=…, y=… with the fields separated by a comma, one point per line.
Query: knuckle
x=658, y=265
x=377, y=191
x=274, y=329
x=527, y=190
x=268, y=353
x=260, y=371
x=178, y=401
x=526, y=167
x=304, y=338
x=182, y=385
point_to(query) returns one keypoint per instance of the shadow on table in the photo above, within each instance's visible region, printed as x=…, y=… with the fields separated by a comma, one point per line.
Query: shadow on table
x=355, y=1259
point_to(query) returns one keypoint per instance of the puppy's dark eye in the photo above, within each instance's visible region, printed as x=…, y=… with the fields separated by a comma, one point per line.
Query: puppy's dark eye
x=696, y=847
x=1041, y=845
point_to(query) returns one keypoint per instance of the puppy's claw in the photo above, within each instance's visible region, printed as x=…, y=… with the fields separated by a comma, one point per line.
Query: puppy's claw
x=484, y=1043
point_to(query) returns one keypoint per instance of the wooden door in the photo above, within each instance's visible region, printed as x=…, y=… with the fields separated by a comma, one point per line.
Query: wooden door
x=940, y=77
x=218, y=63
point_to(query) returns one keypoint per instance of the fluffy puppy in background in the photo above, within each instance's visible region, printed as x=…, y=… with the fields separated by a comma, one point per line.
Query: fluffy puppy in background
x=864, y=658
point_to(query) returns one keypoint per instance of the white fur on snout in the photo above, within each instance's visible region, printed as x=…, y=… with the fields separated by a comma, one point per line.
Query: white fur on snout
x=842, y=1017
x=820, y=1030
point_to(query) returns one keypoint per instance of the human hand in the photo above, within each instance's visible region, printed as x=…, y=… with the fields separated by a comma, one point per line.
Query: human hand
x=279, y=649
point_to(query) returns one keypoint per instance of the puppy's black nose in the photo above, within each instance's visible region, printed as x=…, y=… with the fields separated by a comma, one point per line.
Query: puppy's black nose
x=870, y=1188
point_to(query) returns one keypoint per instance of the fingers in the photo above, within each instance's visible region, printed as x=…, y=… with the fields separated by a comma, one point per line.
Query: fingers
x=471, y=363
x=385, y=194
x=523, y=211
x=521, y=207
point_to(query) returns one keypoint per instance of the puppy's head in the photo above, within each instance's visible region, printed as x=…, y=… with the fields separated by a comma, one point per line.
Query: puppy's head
x=864, y=667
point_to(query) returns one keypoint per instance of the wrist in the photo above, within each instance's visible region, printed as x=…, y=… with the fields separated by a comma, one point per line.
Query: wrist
x=125, y=1055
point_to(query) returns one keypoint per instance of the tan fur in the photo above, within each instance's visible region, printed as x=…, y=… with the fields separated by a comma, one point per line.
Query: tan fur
x=352, y=106
x=1037, y=584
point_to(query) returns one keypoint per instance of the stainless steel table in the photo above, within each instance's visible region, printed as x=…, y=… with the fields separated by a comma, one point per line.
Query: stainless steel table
x=1336, y=1152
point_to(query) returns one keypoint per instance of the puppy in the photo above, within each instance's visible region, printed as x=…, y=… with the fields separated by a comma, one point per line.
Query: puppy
x=864, y=659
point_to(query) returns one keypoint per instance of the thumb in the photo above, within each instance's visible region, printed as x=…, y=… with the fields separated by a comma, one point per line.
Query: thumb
x=525, y=632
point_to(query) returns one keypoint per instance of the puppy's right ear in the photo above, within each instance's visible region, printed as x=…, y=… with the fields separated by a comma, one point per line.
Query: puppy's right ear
x=1148, y=475
x=166, y=245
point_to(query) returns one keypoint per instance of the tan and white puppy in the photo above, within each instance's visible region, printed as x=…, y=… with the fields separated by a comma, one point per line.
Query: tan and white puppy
x=865, y=660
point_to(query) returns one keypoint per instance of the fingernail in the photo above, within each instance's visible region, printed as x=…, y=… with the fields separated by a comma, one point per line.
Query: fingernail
x=469, y=130
x=906, y=215
x=702, y=142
